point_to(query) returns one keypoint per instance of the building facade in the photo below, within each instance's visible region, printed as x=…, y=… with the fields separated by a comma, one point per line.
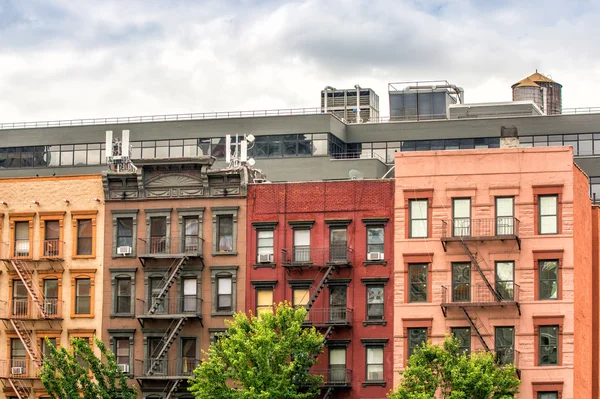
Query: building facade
x=51, y=231
x=175, y=234
x=495, y=247
x=328, y=246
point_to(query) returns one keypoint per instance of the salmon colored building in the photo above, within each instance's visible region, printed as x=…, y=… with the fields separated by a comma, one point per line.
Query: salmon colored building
x=175, y=253
x=51, y=251
x=495, y=247
x=328, y=246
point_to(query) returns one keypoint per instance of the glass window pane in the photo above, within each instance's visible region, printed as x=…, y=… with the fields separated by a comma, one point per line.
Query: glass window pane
x=548, y=342
x=301, y=237
x=462, y=208
x=225, y=286
x=548, y=205
x=504, y=206
x=374, y=355
x=301, y=296
x=337, y=356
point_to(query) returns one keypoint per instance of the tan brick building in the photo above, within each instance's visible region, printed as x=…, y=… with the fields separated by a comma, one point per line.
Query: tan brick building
x=51, y=279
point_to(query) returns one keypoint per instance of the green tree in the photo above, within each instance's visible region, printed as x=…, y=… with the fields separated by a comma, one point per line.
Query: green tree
x=76, y=373
x=266, y=357
x=446, y=371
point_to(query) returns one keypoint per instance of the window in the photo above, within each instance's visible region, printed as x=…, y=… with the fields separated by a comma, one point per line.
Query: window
x=418, y=218
x=83, y=296
x=300, y=297
x=547, y=395
x=461, y=282
x=161, y=366
x=338, y=303
x=461, y=217
x=51, y=291
x=264, y=301
x=215, y=334
x=505, y=280
x=505, y=216
x=548, y=275
x=18, y=357
x=548, y=214
x=338, y=244
x=463, y=335
x=505, y=345
x=155, y=287
x=123, y=354
x=191, y=237
x=190, y=295
x=225, y=294
x=548, y=345
x=22, y=244
x=123, y=295
x=375, y=301
x=20, y=299
x=374, y=363
x=158, y=235
x=188, y=355
x=84, y=236
x=417, y=280
x=301, y=245
x=264, y=244
x=125, y=232
x=337, y=365
x=45, y=348
x=225, y=233
x=52, y=244
x=416, y=337
x=375, y=239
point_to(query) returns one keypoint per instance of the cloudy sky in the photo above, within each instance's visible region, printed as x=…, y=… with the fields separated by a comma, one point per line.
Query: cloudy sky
x=63, y=59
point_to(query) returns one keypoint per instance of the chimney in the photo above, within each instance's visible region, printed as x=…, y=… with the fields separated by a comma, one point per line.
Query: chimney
x=509, y=137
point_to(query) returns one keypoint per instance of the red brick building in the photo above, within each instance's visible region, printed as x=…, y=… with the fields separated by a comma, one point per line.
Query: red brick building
x=329, y=246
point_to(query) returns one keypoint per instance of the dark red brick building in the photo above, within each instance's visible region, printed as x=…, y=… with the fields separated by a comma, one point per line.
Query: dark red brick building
x=329, y=246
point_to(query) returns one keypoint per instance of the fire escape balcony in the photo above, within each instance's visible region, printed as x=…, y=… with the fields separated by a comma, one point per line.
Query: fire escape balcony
x=21, y=368
x=169, y=308
x=329, y=317
x=33, y=250
x=306, y=256
x=164, y=247
x=466, y=295
x=162, y=369
x=25, y=309
x=334, y=377
x=501, y=228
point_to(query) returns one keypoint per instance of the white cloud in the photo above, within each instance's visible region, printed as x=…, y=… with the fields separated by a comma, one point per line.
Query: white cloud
x=64, y=59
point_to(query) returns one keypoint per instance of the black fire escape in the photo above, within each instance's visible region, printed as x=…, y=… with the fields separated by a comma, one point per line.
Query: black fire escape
x=326, y=262
x=161, y=309
x=465, y=295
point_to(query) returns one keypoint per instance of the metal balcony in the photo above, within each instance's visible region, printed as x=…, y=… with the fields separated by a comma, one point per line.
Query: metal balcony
x=169, y=308
x=499, y=229
x=25, y=249
x=170, y=247
x=26, y=309
x=18, y=369
x=162, y=369
x=334, y=377
x=329, y=317
x=478, y=295
x=306, y=256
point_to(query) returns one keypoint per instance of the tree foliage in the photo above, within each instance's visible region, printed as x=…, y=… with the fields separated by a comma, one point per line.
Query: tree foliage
x=77, y=373
x=266, y=357
x=446, y=371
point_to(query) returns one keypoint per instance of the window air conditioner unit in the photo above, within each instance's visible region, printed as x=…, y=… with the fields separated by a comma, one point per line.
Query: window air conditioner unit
x=375, y=256
x=17, y=370
x=265, y=258
x=123, y=250
x=124, y=368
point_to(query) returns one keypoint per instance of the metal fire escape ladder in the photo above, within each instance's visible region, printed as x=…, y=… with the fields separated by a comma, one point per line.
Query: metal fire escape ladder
x=477, y=329
x=27, y=341
x=20, y=389
x=26, y=276
x=328, y=393
x=167, y=281
x=319, y=287
x=475, y=262
x=168, y=339
x=169, y=391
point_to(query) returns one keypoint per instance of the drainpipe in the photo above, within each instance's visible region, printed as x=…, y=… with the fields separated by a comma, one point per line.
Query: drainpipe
x=358, y=120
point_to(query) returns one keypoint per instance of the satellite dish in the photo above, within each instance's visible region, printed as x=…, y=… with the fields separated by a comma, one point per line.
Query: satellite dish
x=251, y=161
x=356, y=174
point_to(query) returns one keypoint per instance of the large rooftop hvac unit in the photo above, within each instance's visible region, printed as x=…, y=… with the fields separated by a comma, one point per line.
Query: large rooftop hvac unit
x=543, y=91
x=422, y=100
x=343, y=104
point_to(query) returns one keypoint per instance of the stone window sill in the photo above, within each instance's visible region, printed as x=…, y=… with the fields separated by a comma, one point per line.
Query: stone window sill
x=231, y=253
x=374, y=323
x=264, y=266
x=375, y=262
x=222, y=313
x=373, y=384
x=122, y=316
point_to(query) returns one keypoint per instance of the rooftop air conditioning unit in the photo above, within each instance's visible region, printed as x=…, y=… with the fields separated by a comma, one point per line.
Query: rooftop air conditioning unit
x=265, y=258
x=124, y=250
x=124, y=368
x=375, y=256
x=17, y=370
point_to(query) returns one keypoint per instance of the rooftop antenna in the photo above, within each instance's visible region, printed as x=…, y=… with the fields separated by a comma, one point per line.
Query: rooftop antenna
x=356, y=174
x=240, y=153
x=118, y=153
